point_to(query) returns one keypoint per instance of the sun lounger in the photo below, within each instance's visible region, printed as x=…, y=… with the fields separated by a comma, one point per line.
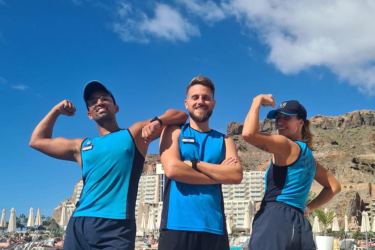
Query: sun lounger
x=347, y=244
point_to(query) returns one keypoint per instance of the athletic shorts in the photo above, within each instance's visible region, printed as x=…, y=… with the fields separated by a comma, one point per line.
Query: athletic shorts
x=278, y=226
x=188, y=240
x=86, y=233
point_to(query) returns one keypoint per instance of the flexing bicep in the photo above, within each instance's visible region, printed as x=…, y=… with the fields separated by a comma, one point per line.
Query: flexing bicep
x=276, y=144
x=60, y=148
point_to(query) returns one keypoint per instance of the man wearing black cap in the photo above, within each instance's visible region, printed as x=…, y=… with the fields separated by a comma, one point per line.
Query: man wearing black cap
x=111, y=164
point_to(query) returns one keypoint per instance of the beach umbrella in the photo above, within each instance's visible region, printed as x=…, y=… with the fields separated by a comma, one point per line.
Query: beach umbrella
x=151, y=221
x=143, y=222
x=316, y=226
x=70, y=213
x=335, y=224
x=12, y=226
x=141, y=217
x=64, y=216
x=30, y=221
x=158, y=221
x=365, y=224
x=144, y=218
x=247, y=219
x=346, y=224
x=3, y=222
x=251, y=225
x=252, y=208
x=38, y=219
x=229, y=225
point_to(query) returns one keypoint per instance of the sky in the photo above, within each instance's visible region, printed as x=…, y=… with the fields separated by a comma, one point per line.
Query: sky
x=319, y=52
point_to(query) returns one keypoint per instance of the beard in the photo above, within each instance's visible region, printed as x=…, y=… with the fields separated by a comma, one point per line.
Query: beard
x=200, y=119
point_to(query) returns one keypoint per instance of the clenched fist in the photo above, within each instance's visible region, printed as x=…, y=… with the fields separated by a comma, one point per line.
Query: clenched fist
x=66, y=108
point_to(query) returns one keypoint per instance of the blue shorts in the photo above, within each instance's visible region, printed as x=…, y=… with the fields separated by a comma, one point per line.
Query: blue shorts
x=191, y=240
x=278, y=226
x=99, y=233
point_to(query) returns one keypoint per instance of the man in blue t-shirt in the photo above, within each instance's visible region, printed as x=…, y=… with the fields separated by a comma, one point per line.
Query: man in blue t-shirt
x=196, y=160
x=111, y=165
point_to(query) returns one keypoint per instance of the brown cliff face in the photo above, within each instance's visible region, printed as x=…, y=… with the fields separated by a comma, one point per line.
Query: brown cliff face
x=344, y=145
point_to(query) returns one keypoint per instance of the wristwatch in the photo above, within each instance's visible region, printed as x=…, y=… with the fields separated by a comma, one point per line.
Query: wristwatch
x=157, y=119
x=194, y=163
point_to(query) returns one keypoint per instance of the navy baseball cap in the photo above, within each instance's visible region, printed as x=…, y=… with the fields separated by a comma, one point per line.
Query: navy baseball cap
x=289, y=108
x=93, y=86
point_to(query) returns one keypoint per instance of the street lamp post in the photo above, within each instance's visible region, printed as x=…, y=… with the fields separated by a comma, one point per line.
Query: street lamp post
x=363, y=214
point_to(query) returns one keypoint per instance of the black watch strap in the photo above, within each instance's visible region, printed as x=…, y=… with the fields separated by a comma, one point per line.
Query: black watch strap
x=157, y=119
x=194, y=163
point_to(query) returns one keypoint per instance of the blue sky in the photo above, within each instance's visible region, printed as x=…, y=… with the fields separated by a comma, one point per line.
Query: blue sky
x=146, y=52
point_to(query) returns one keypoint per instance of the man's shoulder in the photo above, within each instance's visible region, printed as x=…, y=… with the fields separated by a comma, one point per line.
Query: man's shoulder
x=218, y=132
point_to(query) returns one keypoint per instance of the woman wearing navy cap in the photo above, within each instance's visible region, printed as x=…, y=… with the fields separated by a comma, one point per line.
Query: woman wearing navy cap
x=280, y=223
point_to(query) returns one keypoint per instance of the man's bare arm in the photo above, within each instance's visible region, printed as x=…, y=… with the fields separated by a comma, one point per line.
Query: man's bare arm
x=60, y=148
x=145, y=132
x=229, y=171
x=174, y=168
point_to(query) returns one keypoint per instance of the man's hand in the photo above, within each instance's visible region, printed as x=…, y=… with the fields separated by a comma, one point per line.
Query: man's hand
x=230, y=161
x=149, y=130
x=66, y=108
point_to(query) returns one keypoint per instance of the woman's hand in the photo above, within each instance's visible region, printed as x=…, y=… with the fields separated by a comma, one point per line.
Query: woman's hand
x=265, y=100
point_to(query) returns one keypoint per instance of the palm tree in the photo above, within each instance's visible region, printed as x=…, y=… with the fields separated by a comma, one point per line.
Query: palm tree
x=20, y=222
x=325, y=218
x=356, y=235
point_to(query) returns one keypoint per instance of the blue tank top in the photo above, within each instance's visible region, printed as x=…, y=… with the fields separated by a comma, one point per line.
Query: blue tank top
x=111, y=166
x=291, y=184
x=197, y=208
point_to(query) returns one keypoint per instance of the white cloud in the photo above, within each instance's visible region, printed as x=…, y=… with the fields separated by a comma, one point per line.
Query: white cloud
x=209, y=11
x=20, y=87
x=337, y=34
x=136, y=26
x=3, y=80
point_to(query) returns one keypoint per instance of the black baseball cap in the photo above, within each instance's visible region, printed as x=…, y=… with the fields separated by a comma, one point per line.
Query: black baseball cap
x=93, y=86
x=292, y=107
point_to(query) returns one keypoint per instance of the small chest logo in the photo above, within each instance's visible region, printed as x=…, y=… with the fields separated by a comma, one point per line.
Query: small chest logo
x=88, y=146
x=188, y=139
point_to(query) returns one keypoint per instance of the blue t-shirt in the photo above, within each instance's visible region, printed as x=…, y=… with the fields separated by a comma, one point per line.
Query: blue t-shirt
x=197, y=208
x=111, y=166
x=291, y=184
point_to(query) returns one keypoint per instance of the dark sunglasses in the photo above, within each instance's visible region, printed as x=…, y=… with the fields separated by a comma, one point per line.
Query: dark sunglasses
x=93, y=101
